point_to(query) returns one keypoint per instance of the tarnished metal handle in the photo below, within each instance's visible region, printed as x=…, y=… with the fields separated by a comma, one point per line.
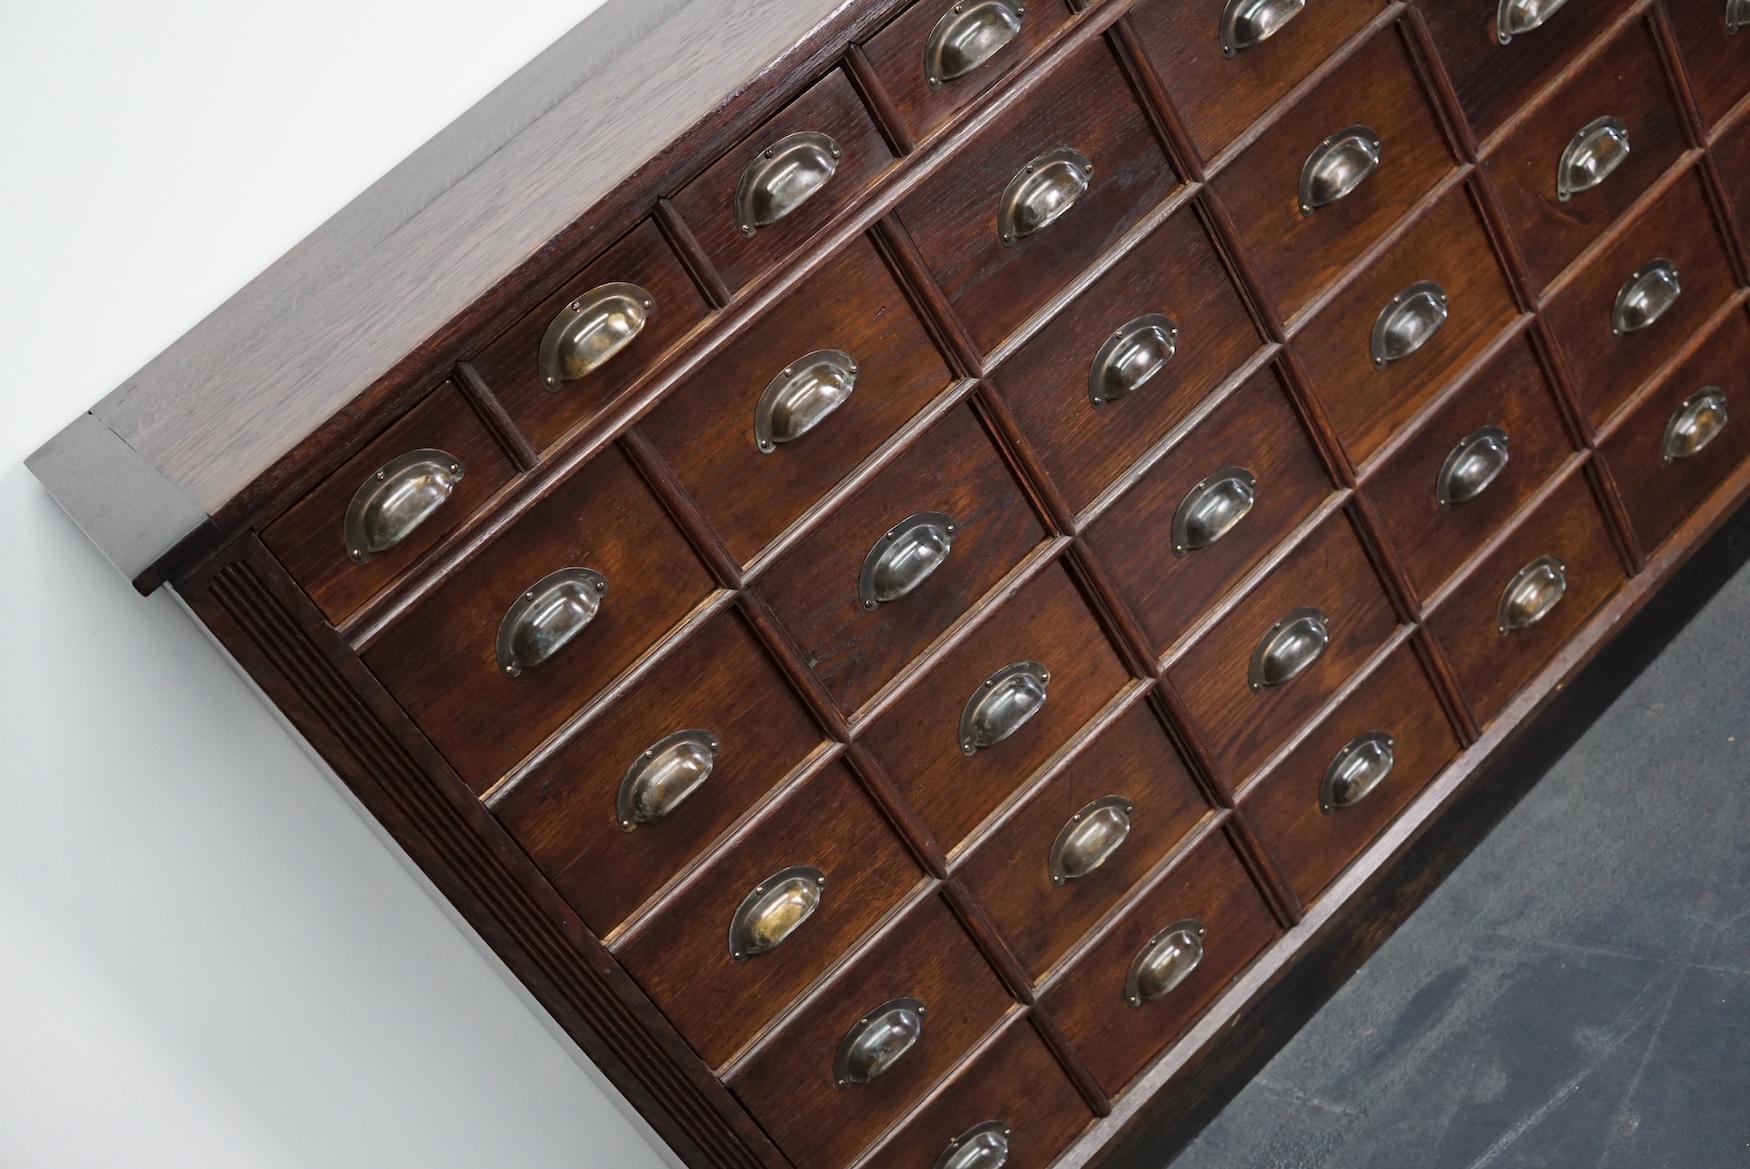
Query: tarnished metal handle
x=968, y=35
x=1246, y=24
x=1695, y=424
x=878, y=1041
x=664, y=775
x=801, y=397
x=1408, y=322
x=1593, y=156
x=591, y=330
x=1131, y=357
x=904, y=557
x=1647, y=296
x=1521, y=16
x=1212, y=509
x=1088, y=839
x=1737, y=15
x=1337, y=166
x=1288, y=649
x=1002, y=704
x=983, y=1146
x=775, y=909
x=1533, y=592
x=548, y=614
x=396, y=498
x=787, y=174
x=1165, y=960
x=1477, y=461
x=1042, y=192
x=1356, y=770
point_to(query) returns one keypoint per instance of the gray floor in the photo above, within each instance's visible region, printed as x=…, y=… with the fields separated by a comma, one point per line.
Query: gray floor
x=1577, y=993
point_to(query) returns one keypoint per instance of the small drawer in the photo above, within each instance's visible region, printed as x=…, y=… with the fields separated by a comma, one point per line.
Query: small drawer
x=1351, y=775
x=1445, y=492
x=644, y=787
x=1084, y=840
x=821, y=380
x=1062, y=173
x=1323, y=183
x=902, y=559
x=1497, y=68
x=993, y=708
x=1280, y=653
x=1382, y=347
x=1218, y=72
x=1710, y=36
x=941, y=54
x=446, y=464
x=774, y=191
x=1638, y=301
x=1012, y=1098
x=1584, y=156
x=793, y=893
x=1144, y=983
x=1731, y=155
x=1682, y=440
x=833, y=1076
x=570, y=359
x=1129, y=358
x=1553, y=571
x=1226, y=493
x=517, y=639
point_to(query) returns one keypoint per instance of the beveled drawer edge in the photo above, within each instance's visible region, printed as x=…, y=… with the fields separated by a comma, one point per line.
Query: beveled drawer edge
x=1734, y=305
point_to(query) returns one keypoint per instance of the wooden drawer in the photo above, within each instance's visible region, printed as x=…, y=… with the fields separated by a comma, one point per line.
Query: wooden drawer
x=792, y=1082
x=311, y=539
x=715, y=704
x=1494, y=80
x=1716, y=59
x=1255, y=433
x=1050, y=383
x=441, y=659
x=1731, y=154
x=681, y=955
x=1347, y=348
x=1327, y=577
x=1491, y=665
x=1086, y=105
x=1296, y=253
x=1014, y=1089
x=1434, y=530
x=1660, y=492
x=1030, y=874
x=1220, y=88
x=1326, y=800
x=1608, y=366
x=822, y=589
x=1551, y=214
x=1207, y=891
x=918, y=739
x=798, y=140
x=705, y=429
x=971, y=47
x=603, y=337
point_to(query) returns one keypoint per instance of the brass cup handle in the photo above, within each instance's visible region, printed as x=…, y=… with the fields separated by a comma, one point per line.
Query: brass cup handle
x=1165, y=961
x=396, y=498
x=1131, y=357
x=905, y=556
x=592, y=330
x=878, y=1041
x=1002, y=705
x=1246, y=24
x=1408, y=322
x=1356, y=770
x=1288, y=649
x=773, y=910
x=1695, y=424
x=664, y=775
x=783, y=177
x=1475, y=463
x=546, y=616
x=968, y=35
x=802, y=396
x=1646, y=296
x=1042, y=192
x=983, y=1146
x=1522, y=16
x=1530, y=596
x=1337, y=166
x=1212, y=509
x=1594, y=155
x=1737, y=15
x=1088, y=839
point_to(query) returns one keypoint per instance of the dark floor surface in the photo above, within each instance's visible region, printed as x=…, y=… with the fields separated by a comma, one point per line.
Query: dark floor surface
x=1577, y=994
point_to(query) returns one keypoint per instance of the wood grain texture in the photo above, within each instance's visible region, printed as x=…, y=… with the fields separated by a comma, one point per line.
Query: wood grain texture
x=1731, y=155
x=1718, y=62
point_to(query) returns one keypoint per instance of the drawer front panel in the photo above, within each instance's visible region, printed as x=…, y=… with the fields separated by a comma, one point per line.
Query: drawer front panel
x=1030, y=875
x=441, y=660
x=311, y=539
x=918, y=740
x=1433, y=538
x=1050, y=383
x=1255, y=432
x=681, y=955
x=791, y=1083
x=1717, y=60
x=570, y=813
x=706, y=428
x=822, y=588
x=1087, y=106
x=1731, y=154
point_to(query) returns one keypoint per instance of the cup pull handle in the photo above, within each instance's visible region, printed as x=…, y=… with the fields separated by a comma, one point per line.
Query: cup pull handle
x=1337, y=166
x=1356, y=770
x=968, y=35
x=1212, y=509
x=1002, y=705
x=784, y=176
x=1593, y=156
x=1408, y=322
x=1475, y=463
x=773, y=910
x=591, y=330
x=801, y=397
x=396, y=498
x=1088, y=839
x=1645, y=297
x=1737, y=15
x=1288, y=649
x=1695, y=424
x=1165, y=961
x=983, y=1146
x=1042, y=192
x=1246, y=24
x=1533, y=592
x=664, y=775
x=547, y=616
x=904, y=557
x=1131, y=357
x=1522, y=16
x=878, y=1041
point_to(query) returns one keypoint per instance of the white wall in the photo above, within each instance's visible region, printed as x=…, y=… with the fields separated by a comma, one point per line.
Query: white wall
x=206, y=957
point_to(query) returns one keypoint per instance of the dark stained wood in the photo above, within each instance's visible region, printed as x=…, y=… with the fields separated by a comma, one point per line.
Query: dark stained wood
x=1731, y=154
x=1718, y=62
